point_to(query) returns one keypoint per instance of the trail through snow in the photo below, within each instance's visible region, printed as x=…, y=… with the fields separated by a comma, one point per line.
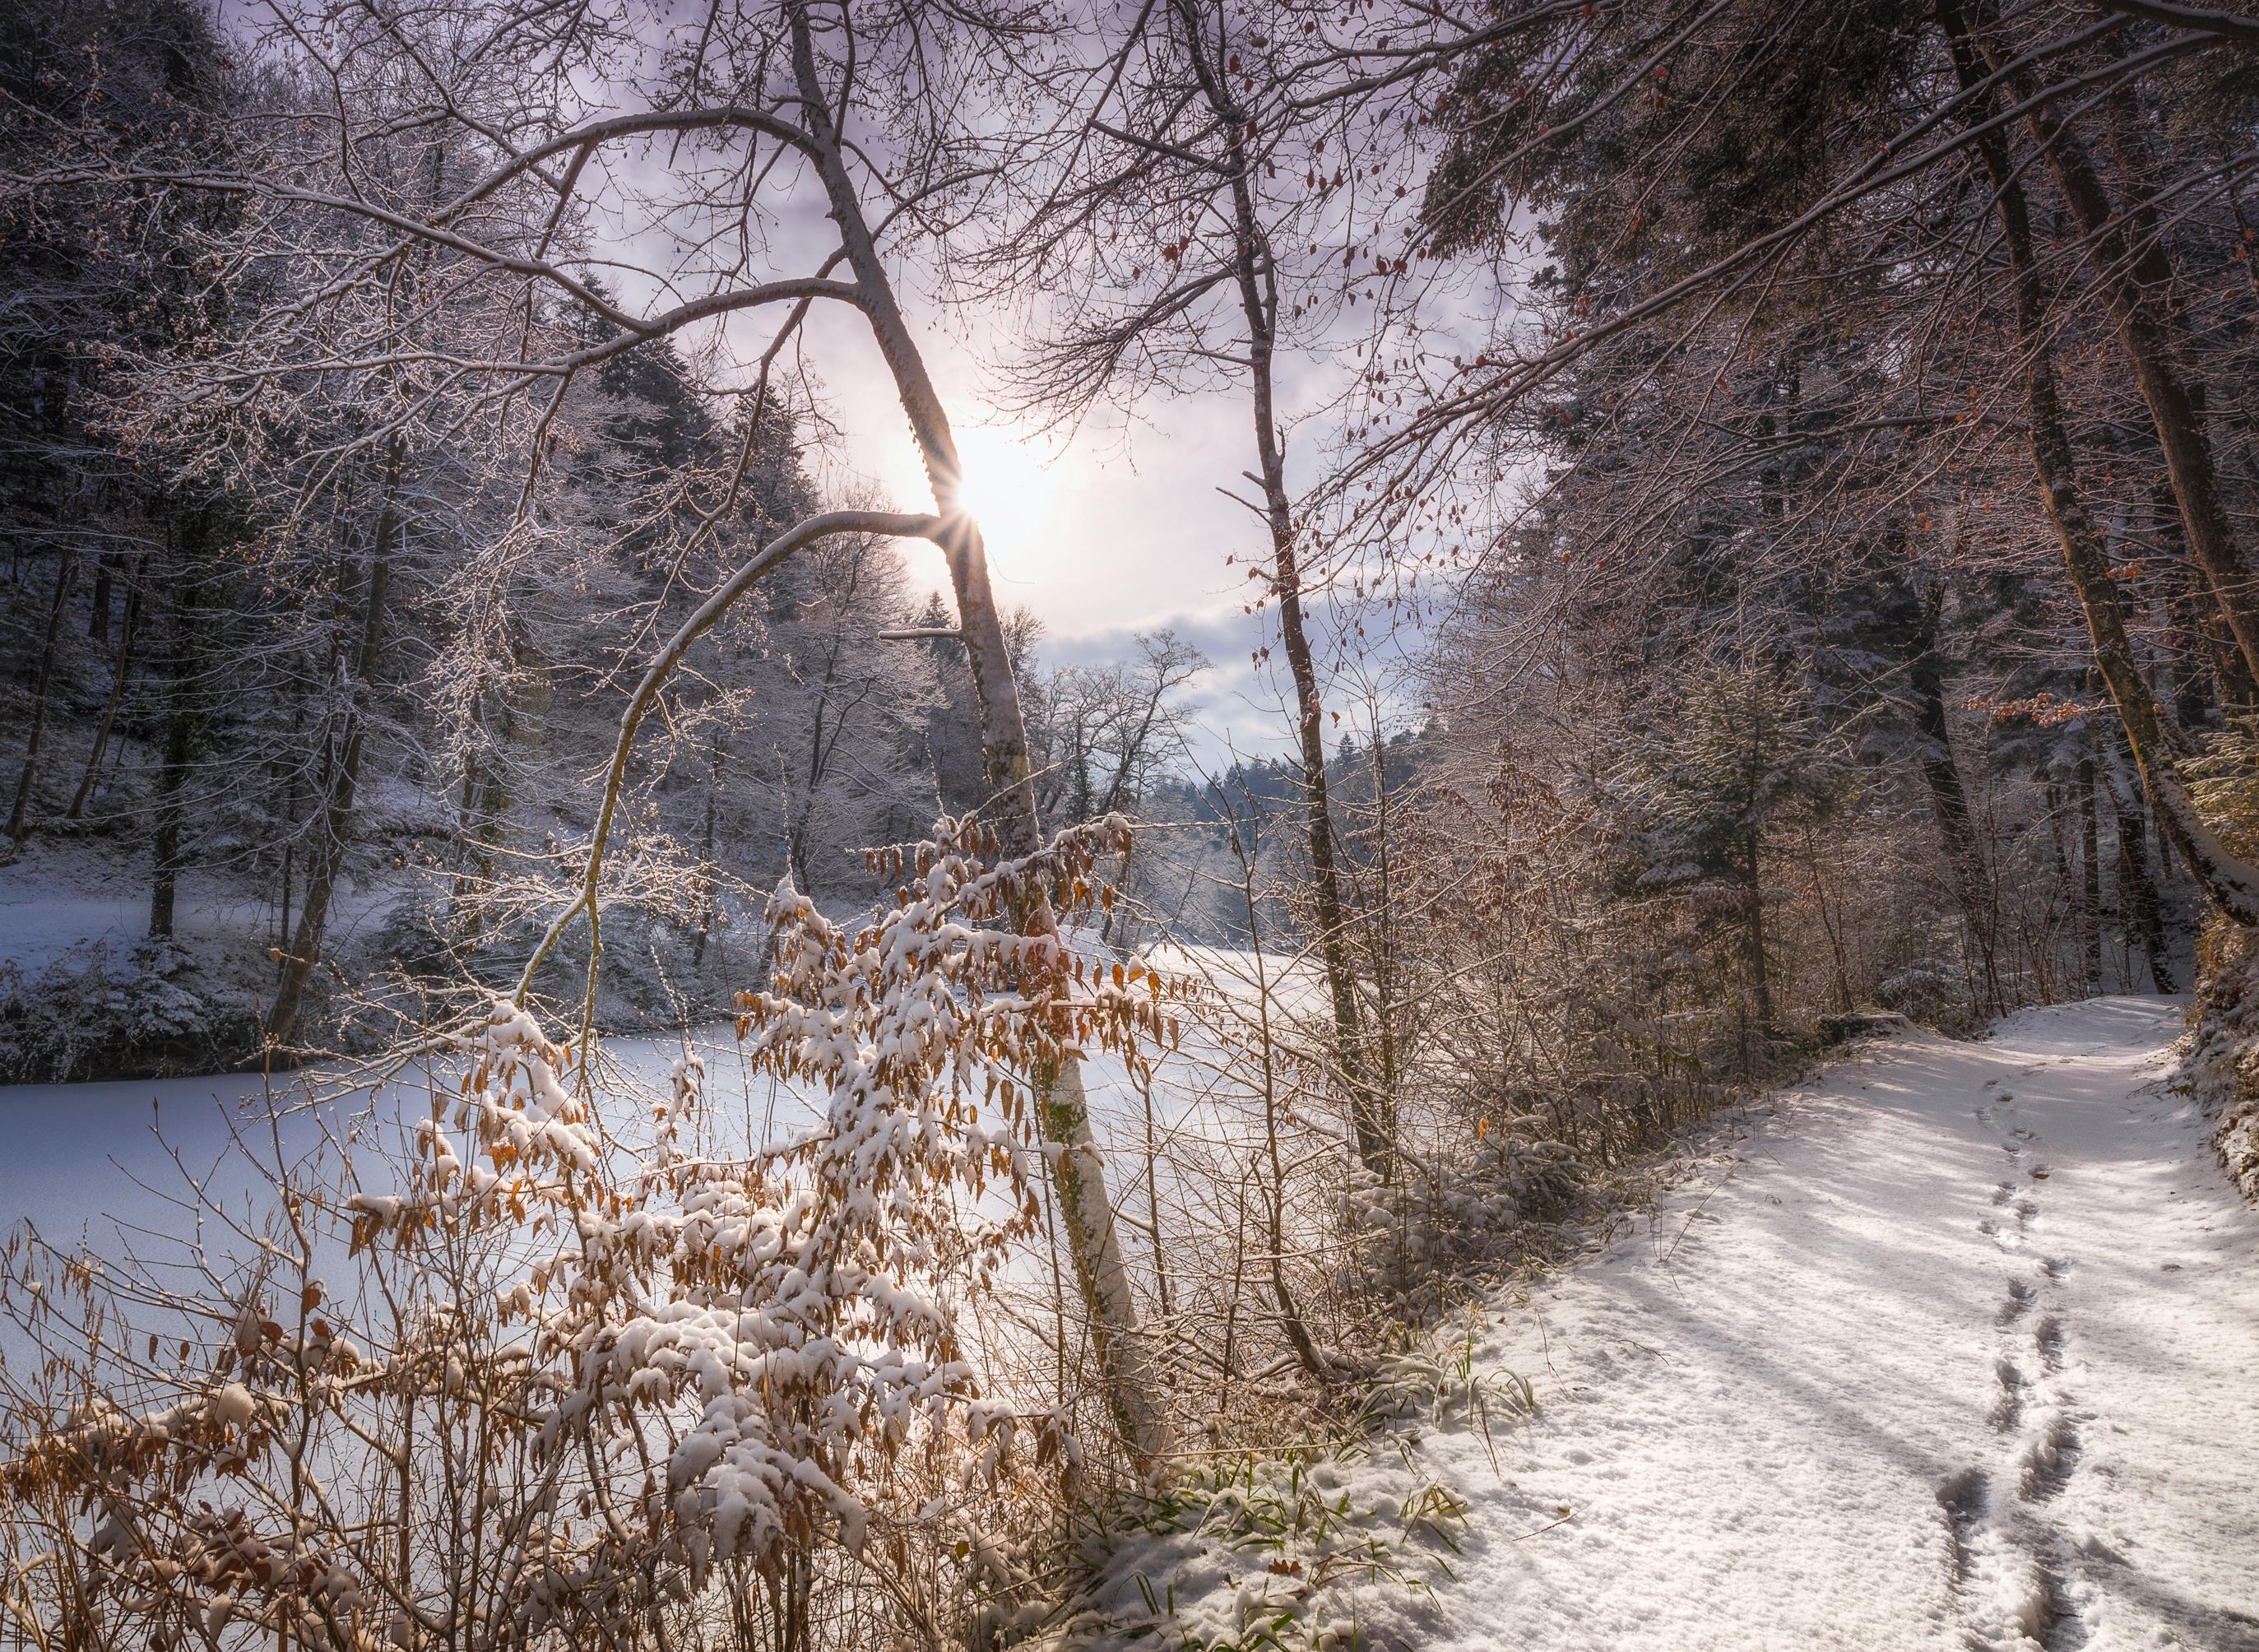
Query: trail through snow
x=1957, y=1347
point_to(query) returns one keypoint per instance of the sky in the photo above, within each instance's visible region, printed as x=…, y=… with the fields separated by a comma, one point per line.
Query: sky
x=1117, y=531
x=1119, y=527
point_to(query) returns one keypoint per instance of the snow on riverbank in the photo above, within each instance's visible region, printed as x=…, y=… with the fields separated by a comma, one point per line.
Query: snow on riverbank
x=1954, y=1348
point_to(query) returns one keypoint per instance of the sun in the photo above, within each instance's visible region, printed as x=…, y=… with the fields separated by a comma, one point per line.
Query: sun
x=1008, y=489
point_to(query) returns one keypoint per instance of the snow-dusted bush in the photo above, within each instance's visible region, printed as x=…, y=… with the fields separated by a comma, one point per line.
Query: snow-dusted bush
x=1927, y=989
x=2220, y=1061
x=1430, y=1235
x=547, y=1374
x=89, y=1013
x=1288, y=1553
x=426, y=962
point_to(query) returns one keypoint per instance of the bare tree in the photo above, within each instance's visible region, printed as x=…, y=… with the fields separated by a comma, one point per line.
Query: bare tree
x=522, y=231
x=1167, y=229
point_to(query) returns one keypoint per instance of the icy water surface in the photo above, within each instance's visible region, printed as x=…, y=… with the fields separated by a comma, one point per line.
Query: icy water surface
x=78, y=1159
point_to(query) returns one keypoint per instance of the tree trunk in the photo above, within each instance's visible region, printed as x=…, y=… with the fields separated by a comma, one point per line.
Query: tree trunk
x=2238, y=690
x=803, y=819
x=1291, y=1322
x=1964, y=857
x=2141, y=912
x=1370, y=1106
x=2231, y=883
x=337, y=812
x=97, y=621
x=1382, y=925
x=121, y=667
x=709, y=872
x=1753, y=937
x=1144, y=1083
x=471, y=869
x=2136, y=276
x=1948, y=797
x=1077, y=1169
x=19, y=815
x=2193, y=631
x=2090, y=845
x=293, y=804
x=180, y=748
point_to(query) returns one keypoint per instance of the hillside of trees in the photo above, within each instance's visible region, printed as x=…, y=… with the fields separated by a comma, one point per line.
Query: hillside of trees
x=305, y=721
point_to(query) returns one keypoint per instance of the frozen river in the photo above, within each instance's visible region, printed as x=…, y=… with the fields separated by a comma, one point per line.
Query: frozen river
x=76, y=1159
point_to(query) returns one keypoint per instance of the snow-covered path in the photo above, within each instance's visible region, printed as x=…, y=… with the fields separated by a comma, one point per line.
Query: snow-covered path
x=1959, y=1348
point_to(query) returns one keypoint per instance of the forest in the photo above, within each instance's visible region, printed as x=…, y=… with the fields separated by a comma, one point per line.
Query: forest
x=785, y=1097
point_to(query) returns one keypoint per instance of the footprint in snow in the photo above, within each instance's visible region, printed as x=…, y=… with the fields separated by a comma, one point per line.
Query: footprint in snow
x=1962, y=1497
x=2019, y=1300
x=2013, y=1596
x=2008, y=1410
x=1999, y=1235
x=2044, y=1466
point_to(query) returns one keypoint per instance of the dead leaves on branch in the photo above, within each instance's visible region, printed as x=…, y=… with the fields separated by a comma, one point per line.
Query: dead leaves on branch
x=743, y=1358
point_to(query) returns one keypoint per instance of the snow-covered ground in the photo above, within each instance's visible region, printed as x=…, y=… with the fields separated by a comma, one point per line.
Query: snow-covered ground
x=1957, y=1347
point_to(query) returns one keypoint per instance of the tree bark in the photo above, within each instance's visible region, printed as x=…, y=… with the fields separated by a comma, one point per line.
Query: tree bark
x=2136, y=278
x=709, y=872
x=2231, y=883
x=1753, y=935
x=1382, y=928
x=1948, y=798
x=19, y=813
x=2140, y=910
x=2237, y=689
x=823, y=741
x=121, y=666
x=180, y=748
x=1077, y=1169
x=1274, y=1184
x=2090, y=843
x=1370, y=1106
x=470, y=866
x=98, y=620
x=344, y=782
x=1964, y=857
